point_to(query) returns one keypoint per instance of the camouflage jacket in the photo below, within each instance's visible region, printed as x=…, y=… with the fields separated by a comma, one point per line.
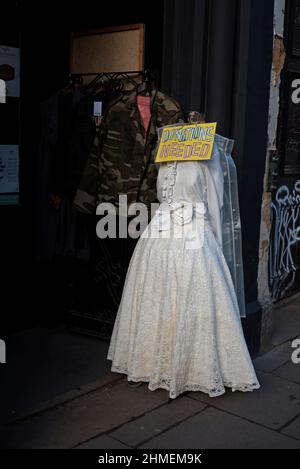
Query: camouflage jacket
x=122, y=158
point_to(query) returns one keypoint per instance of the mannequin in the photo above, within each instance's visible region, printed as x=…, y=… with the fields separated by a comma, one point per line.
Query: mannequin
x=178, y=325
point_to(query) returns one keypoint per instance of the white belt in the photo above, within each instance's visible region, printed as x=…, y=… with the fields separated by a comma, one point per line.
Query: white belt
x=184, y=219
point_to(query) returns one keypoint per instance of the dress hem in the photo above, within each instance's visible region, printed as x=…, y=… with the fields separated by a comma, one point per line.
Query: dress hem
x=164, y=384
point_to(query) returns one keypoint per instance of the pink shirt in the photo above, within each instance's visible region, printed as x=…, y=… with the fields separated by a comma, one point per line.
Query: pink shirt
x=143, y=103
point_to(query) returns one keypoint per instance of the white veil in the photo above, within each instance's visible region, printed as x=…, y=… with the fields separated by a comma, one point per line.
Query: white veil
x=223, y=205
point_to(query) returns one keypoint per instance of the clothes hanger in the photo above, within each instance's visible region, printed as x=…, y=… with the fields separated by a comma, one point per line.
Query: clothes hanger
x=196, y=117
x=74, y=80
x=145, y=88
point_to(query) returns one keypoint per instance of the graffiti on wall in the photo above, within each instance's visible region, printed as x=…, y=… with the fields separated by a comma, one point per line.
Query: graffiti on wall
x=285, y=238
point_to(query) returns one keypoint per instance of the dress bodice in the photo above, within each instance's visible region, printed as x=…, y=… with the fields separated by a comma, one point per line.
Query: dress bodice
x=194, y=182
x=182, y=181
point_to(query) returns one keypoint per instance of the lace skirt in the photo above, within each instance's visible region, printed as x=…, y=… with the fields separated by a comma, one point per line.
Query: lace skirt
x=178, y=325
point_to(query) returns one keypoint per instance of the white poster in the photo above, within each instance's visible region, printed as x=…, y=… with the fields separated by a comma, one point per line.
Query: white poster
x=10, y=70
x=9, y=169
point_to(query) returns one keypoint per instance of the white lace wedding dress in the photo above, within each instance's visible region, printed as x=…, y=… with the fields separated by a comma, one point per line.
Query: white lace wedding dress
x=178, y=325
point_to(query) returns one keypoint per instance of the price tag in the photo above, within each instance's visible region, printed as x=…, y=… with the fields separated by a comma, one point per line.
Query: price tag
x=97, y=109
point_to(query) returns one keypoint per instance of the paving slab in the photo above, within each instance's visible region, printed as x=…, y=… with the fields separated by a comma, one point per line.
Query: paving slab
x=215, y=429
x=289, y=371
x=293, y=429
x=273, y=405
x=156, y=421
x=46, y=363
x=83, y=418
x=61, y=399
x=103, y=442
x=277, y=357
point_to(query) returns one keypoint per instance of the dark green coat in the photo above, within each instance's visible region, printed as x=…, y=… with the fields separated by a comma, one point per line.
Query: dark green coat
x=122, y=157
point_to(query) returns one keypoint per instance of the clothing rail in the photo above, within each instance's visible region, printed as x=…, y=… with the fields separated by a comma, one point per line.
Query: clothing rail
x=111, y=76
x=108, y=73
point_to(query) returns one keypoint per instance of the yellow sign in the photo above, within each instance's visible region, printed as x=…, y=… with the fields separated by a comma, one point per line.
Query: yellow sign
x=186, y=142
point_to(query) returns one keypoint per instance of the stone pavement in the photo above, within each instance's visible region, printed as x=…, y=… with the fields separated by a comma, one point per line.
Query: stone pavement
x=44, y=363
x=110, y=414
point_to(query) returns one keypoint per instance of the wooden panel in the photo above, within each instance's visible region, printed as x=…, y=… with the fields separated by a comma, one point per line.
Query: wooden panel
x=108, y=50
